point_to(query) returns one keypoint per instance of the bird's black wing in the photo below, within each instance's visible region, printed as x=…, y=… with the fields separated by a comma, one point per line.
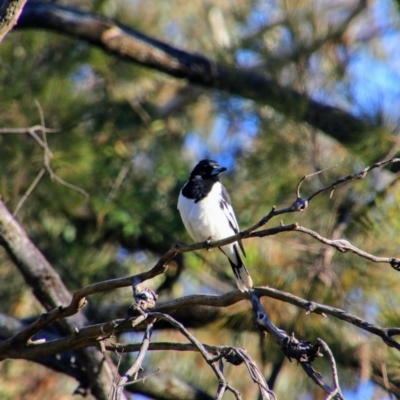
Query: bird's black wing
x=226, y=206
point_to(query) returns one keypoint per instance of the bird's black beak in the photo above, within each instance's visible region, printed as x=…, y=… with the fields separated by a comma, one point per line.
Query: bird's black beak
x=218, y=170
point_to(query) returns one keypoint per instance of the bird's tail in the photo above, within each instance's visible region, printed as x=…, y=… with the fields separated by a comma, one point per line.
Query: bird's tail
x=242, y=275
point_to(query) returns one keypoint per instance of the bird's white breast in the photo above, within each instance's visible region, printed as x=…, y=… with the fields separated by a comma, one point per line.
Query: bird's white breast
x=205, y=219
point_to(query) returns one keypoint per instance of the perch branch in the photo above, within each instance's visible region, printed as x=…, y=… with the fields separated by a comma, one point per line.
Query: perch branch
x=78, y=299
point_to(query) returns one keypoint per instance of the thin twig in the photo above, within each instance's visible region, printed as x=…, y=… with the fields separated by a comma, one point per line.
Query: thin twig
x=345, y=246
x=256, y=375
x=309, y=176
x=143, y=378
x=317, y=378
x=24, y=131
x=162, y=346
x=386, y=380
x=300, y=204
x=118, y=182
x=223, y=384
x=359, y=175
x=134, y=369
x=29, y=191
x=112, y=391
x=42, y=142
x=335, y=376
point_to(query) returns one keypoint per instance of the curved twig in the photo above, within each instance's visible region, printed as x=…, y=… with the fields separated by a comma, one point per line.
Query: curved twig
x=336, y=391
x=359, y=175
x=134, y=369
x=223, y=383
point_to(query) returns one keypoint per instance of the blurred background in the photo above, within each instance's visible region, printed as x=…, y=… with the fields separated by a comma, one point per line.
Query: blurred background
x=126, y=138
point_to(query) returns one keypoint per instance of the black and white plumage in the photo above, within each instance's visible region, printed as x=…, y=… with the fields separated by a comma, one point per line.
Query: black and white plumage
x=207, y=214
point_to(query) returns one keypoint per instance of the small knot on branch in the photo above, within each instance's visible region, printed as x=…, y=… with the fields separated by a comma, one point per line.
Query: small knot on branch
x=82, y=303
x=391, y=342
x=233, y=357
x=144, y=299
x=300, y=350
x=207, y=244
x=362, y=174
x=395, y=263
x=299, y=204
x=310, y=307
x=81, y=391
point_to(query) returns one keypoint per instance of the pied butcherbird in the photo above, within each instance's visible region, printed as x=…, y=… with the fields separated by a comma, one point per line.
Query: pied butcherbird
x=207, y=214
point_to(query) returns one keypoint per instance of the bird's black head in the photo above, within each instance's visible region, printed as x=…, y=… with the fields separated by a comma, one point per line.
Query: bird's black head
x=207, y=169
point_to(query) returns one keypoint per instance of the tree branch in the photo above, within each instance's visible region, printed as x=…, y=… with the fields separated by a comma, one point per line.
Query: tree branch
x=169, y=346
x=136, y=47
x=304, y=352
x=90, y=335
x=10, y=10
x=211, y=361
x=51, y=292
x=78, y=299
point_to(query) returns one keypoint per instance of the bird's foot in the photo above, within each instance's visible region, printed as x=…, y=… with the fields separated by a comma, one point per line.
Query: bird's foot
x=207, y=244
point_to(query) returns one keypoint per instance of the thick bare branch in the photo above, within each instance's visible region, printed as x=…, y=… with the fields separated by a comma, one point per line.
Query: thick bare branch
x=10, y=10
x=89, y=336
x=52, y=294
x=38, y=273
x=136, y=47
x=78, y=299
x=304, y=352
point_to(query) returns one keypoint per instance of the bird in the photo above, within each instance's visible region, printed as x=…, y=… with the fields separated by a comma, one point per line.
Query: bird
x=207, y=214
